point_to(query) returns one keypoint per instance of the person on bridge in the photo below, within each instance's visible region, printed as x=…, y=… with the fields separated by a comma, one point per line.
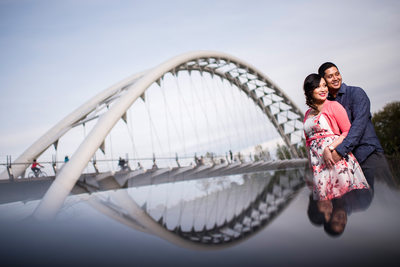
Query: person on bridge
x=361, y=140
x=326, y=125
x=35, y=165
x=122, y=163
x=139, y=166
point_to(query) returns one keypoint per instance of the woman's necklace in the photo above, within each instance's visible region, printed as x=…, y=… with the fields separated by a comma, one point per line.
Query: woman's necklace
x=315, y=112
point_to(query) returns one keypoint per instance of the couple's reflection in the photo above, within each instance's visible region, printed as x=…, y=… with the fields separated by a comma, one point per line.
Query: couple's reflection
x=333, y=214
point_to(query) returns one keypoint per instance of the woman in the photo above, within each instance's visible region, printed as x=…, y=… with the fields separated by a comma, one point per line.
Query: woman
x=326, y=125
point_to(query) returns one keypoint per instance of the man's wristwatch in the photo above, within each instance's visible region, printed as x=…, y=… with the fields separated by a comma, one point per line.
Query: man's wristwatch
x=331, y=148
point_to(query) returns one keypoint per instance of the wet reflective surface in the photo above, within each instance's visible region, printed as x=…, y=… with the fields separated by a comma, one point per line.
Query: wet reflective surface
x=259, y=219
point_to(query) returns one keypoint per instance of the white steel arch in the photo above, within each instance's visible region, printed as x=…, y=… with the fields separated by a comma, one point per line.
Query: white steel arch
x=280, y=109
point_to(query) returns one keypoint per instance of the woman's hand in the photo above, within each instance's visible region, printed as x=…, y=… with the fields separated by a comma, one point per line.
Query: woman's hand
x=327, y=154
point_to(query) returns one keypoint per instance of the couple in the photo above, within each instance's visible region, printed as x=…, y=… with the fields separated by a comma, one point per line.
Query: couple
x=333, y=214
x=344, y=151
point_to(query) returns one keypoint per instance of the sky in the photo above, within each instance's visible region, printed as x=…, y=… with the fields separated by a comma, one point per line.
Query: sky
x=56, y=55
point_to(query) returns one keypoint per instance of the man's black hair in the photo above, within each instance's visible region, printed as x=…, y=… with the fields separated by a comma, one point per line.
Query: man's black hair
x=324, y=67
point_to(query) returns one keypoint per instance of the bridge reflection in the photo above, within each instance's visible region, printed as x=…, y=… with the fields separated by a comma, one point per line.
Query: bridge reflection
x=210, y=213
x=197, y=213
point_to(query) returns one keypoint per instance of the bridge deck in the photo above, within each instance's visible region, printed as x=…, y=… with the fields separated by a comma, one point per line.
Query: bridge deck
x=35, y=188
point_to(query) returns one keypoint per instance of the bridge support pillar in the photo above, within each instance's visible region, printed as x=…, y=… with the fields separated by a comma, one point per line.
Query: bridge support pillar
x=54, y=164
x=95, y=164
x=9, y=169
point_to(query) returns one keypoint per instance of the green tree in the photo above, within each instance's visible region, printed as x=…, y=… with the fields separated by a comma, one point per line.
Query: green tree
x=387, y=127
x=283, y=152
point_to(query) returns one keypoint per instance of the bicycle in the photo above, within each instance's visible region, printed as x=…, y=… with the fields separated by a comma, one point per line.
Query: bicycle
x=36, y=174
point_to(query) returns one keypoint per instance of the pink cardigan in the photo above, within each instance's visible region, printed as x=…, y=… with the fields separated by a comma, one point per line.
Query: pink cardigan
x=336, y=116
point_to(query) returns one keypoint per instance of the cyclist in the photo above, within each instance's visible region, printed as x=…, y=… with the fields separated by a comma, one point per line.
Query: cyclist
x=35, y=168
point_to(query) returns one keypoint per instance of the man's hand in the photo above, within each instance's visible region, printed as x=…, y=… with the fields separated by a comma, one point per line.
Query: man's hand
x=336, y=157
x=328, y=158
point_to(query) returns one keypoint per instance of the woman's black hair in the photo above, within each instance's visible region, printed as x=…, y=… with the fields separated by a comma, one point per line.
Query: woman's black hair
x=310, y=83
x=314, y=215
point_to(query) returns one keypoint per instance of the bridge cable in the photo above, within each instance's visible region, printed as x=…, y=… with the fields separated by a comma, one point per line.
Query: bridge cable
x=219, y=118
x=204, y=204
x=219, y=122
x=168, y=111
x=111, y=151
x=241, y=98
x=259, y=124
x=149, y=119
x=183, y=205
x=151, y=125
x=203, y=109
x=256, y=126
x=222, y=89
x=233, y=89
x=254, y=136
x=250, y=103
x=166, y=121
x=189, y=114
x=205, y=91
x=227, y=201
x=181, y=117
x=236, y=115
x=84, y=137
x=254, y=118
x=131, y=134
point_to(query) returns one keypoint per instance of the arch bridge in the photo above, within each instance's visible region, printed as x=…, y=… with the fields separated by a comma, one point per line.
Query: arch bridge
x=110, y=106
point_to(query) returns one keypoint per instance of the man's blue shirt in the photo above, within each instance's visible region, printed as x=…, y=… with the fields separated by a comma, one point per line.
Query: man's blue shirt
x=361, y=139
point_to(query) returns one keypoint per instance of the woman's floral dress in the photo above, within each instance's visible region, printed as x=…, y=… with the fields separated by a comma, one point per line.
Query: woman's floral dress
x=346, y=174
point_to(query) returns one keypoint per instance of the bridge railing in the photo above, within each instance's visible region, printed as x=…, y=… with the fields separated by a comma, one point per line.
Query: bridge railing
x=51, y=167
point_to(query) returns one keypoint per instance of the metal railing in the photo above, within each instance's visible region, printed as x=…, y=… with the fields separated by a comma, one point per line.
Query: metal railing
x=103, y=165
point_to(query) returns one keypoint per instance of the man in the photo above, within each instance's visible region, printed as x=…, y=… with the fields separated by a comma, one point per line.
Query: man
x=361, y=139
